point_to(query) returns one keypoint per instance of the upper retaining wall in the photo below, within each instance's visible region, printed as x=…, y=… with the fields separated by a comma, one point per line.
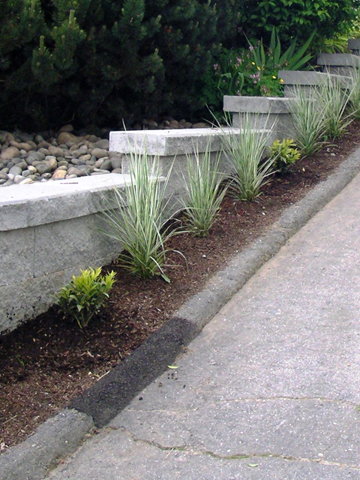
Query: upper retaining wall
x=339, y=63
x=172, y=148
x=261, y=112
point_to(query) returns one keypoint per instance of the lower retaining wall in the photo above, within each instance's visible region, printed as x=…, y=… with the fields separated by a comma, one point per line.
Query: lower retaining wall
x=48, y=232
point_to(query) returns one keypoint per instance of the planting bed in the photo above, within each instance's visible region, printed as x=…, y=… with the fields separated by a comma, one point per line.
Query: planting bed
x=49, y=361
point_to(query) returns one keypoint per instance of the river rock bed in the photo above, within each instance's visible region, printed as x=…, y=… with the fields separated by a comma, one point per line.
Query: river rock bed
x=29, y=158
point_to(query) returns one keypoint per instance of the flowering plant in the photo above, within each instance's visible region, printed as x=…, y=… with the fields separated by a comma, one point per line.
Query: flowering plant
x=254, y=71
x=237, y=73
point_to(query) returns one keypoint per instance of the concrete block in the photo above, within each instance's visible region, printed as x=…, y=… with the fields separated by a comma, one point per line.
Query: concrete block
x=354, y=45
x=72, y=243
x=49, y=232
x=308, y=80
x=168, y=142
x=261, y=113
x=28, y=298
x=17, y=255
x=53, y=201
x=267, y=105
x=339, y=63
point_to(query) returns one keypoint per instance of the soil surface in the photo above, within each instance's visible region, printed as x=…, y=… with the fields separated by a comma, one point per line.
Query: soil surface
x=47, y=362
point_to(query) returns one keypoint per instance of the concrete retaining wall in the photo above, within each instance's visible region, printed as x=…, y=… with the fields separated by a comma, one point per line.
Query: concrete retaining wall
x=339, y=63
x=308, y=80
x=261, y=112
x=172, y=148
x=48, y=232
x=51, y=230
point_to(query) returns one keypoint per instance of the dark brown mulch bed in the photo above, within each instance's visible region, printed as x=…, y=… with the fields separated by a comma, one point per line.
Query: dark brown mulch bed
x=49, y=361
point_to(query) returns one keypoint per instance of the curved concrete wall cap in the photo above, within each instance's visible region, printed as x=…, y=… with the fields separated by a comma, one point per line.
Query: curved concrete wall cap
x=23, y=206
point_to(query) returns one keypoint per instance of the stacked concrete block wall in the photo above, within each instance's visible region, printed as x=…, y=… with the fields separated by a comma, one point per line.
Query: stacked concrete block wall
x=48, y=232
x=354, y=46
x=261, y=112
x=172, y=149
x=308, y=80
x=339, y=63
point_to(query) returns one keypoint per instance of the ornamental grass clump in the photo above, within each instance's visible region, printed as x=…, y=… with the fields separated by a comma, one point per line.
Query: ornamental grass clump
x=354, y=97
x=137, y=218
x=245, y=154
x=83, y=297
x=204, y=191
x=333, y=98
x=309, y=121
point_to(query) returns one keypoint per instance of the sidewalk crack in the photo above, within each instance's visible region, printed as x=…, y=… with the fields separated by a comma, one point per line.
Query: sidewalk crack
x=236, y=456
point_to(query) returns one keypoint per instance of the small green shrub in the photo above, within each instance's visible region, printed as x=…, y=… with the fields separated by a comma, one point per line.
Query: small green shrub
x=327, y=17
x=204, y=193
x=83, y=297
x=245, y=152
x=284, y=153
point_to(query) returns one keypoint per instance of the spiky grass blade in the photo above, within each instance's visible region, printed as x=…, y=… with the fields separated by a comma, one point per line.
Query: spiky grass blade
x=245, y=154
x=139, y=221
x=333, y=99
x=203, y=191
x=354, y=97
x=308, y=121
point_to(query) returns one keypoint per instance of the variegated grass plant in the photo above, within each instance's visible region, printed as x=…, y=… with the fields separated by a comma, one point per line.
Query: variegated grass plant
x=204, y=191
x=354, y=97
x=245, y=155
x=139, y=219
x=333, y=98
x=308, y=121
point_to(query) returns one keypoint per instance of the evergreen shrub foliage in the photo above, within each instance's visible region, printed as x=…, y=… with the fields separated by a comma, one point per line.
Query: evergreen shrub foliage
x=299, y=18
x=101, y=61
x=83, y=297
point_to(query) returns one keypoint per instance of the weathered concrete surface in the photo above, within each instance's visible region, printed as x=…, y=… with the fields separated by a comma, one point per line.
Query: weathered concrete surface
x=261, y=113
x=339, y=63
x=354, y=45
x=48, y=232
x=56, y=438
x=270, y=388
x=256, y=104
x=171, y=143
x=308, y=80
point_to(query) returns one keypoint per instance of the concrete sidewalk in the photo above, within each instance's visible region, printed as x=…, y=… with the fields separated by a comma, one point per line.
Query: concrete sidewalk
x=270, y=388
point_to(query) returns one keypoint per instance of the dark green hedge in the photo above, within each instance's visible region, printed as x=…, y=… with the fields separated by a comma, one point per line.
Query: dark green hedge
x=99, y=61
